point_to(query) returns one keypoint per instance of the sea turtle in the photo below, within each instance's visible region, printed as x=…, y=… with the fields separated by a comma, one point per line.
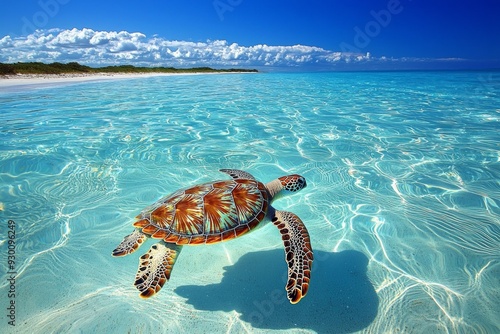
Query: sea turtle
x=213, y=212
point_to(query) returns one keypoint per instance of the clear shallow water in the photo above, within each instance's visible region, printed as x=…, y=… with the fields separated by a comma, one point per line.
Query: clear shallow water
x=402, y=203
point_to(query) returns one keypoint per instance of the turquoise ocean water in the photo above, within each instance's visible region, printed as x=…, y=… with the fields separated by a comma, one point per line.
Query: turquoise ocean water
x=402, y=203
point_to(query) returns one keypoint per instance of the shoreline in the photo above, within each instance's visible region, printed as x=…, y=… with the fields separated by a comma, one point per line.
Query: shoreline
x=20, y=82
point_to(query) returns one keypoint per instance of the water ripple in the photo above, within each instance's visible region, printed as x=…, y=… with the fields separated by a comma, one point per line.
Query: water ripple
x=403, y=170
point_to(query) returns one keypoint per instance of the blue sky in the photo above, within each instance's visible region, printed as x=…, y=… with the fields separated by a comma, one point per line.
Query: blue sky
x=340, y=34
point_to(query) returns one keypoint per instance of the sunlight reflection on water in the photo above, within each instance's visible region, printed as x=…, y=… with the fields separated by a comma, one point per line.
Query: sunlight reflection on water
x=402, y=204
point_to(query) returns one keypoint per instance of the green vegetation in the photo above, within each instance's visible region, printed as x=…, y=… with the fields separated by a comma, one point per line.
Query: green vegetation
x=75, y=68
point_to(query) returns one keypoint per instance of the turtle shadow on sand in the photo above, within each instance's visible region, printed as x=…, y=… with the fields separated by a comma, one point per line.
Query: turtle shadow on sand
x=341, y=299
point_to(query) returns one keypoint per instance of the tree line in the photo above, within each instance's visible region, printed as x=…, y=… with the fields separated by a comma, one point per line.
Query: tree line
x=76, y=68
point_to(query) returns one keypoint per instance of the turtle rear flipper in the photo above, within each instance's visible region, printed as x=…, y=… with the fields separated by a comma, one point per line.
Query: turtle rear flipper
x=298, y=253
x=237, y=174
x=155, y=268
x=130, y=243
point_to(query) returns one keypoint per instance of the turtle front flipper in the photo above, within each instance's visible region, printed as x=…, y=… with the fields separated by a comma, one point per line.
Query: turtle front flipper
x=130, y=243
x=298, y=253
x=155, y=268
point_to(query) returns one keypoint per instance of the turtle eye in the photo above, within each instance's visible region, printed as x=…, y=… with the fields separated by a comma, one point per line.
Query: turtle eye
x=302, y=182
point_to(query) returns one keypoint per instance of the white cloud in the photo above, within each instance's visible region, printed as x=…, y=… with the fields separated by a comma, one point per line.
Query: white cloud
x=6, y=42
x=87, y=46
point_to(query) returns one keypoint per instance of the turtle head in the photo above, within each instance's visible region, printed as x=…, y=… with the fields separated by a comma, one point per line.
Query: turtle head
x=292, y=183
x=286, y=185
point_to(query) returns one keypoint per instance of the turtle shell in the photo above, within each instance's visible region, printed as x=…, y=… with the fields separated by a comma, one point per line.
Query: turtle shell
x=206, y=213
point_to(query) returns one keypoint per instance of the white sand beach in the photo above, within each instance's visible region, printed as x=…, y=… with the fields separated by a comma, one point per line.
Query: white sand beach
x=32, y=81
